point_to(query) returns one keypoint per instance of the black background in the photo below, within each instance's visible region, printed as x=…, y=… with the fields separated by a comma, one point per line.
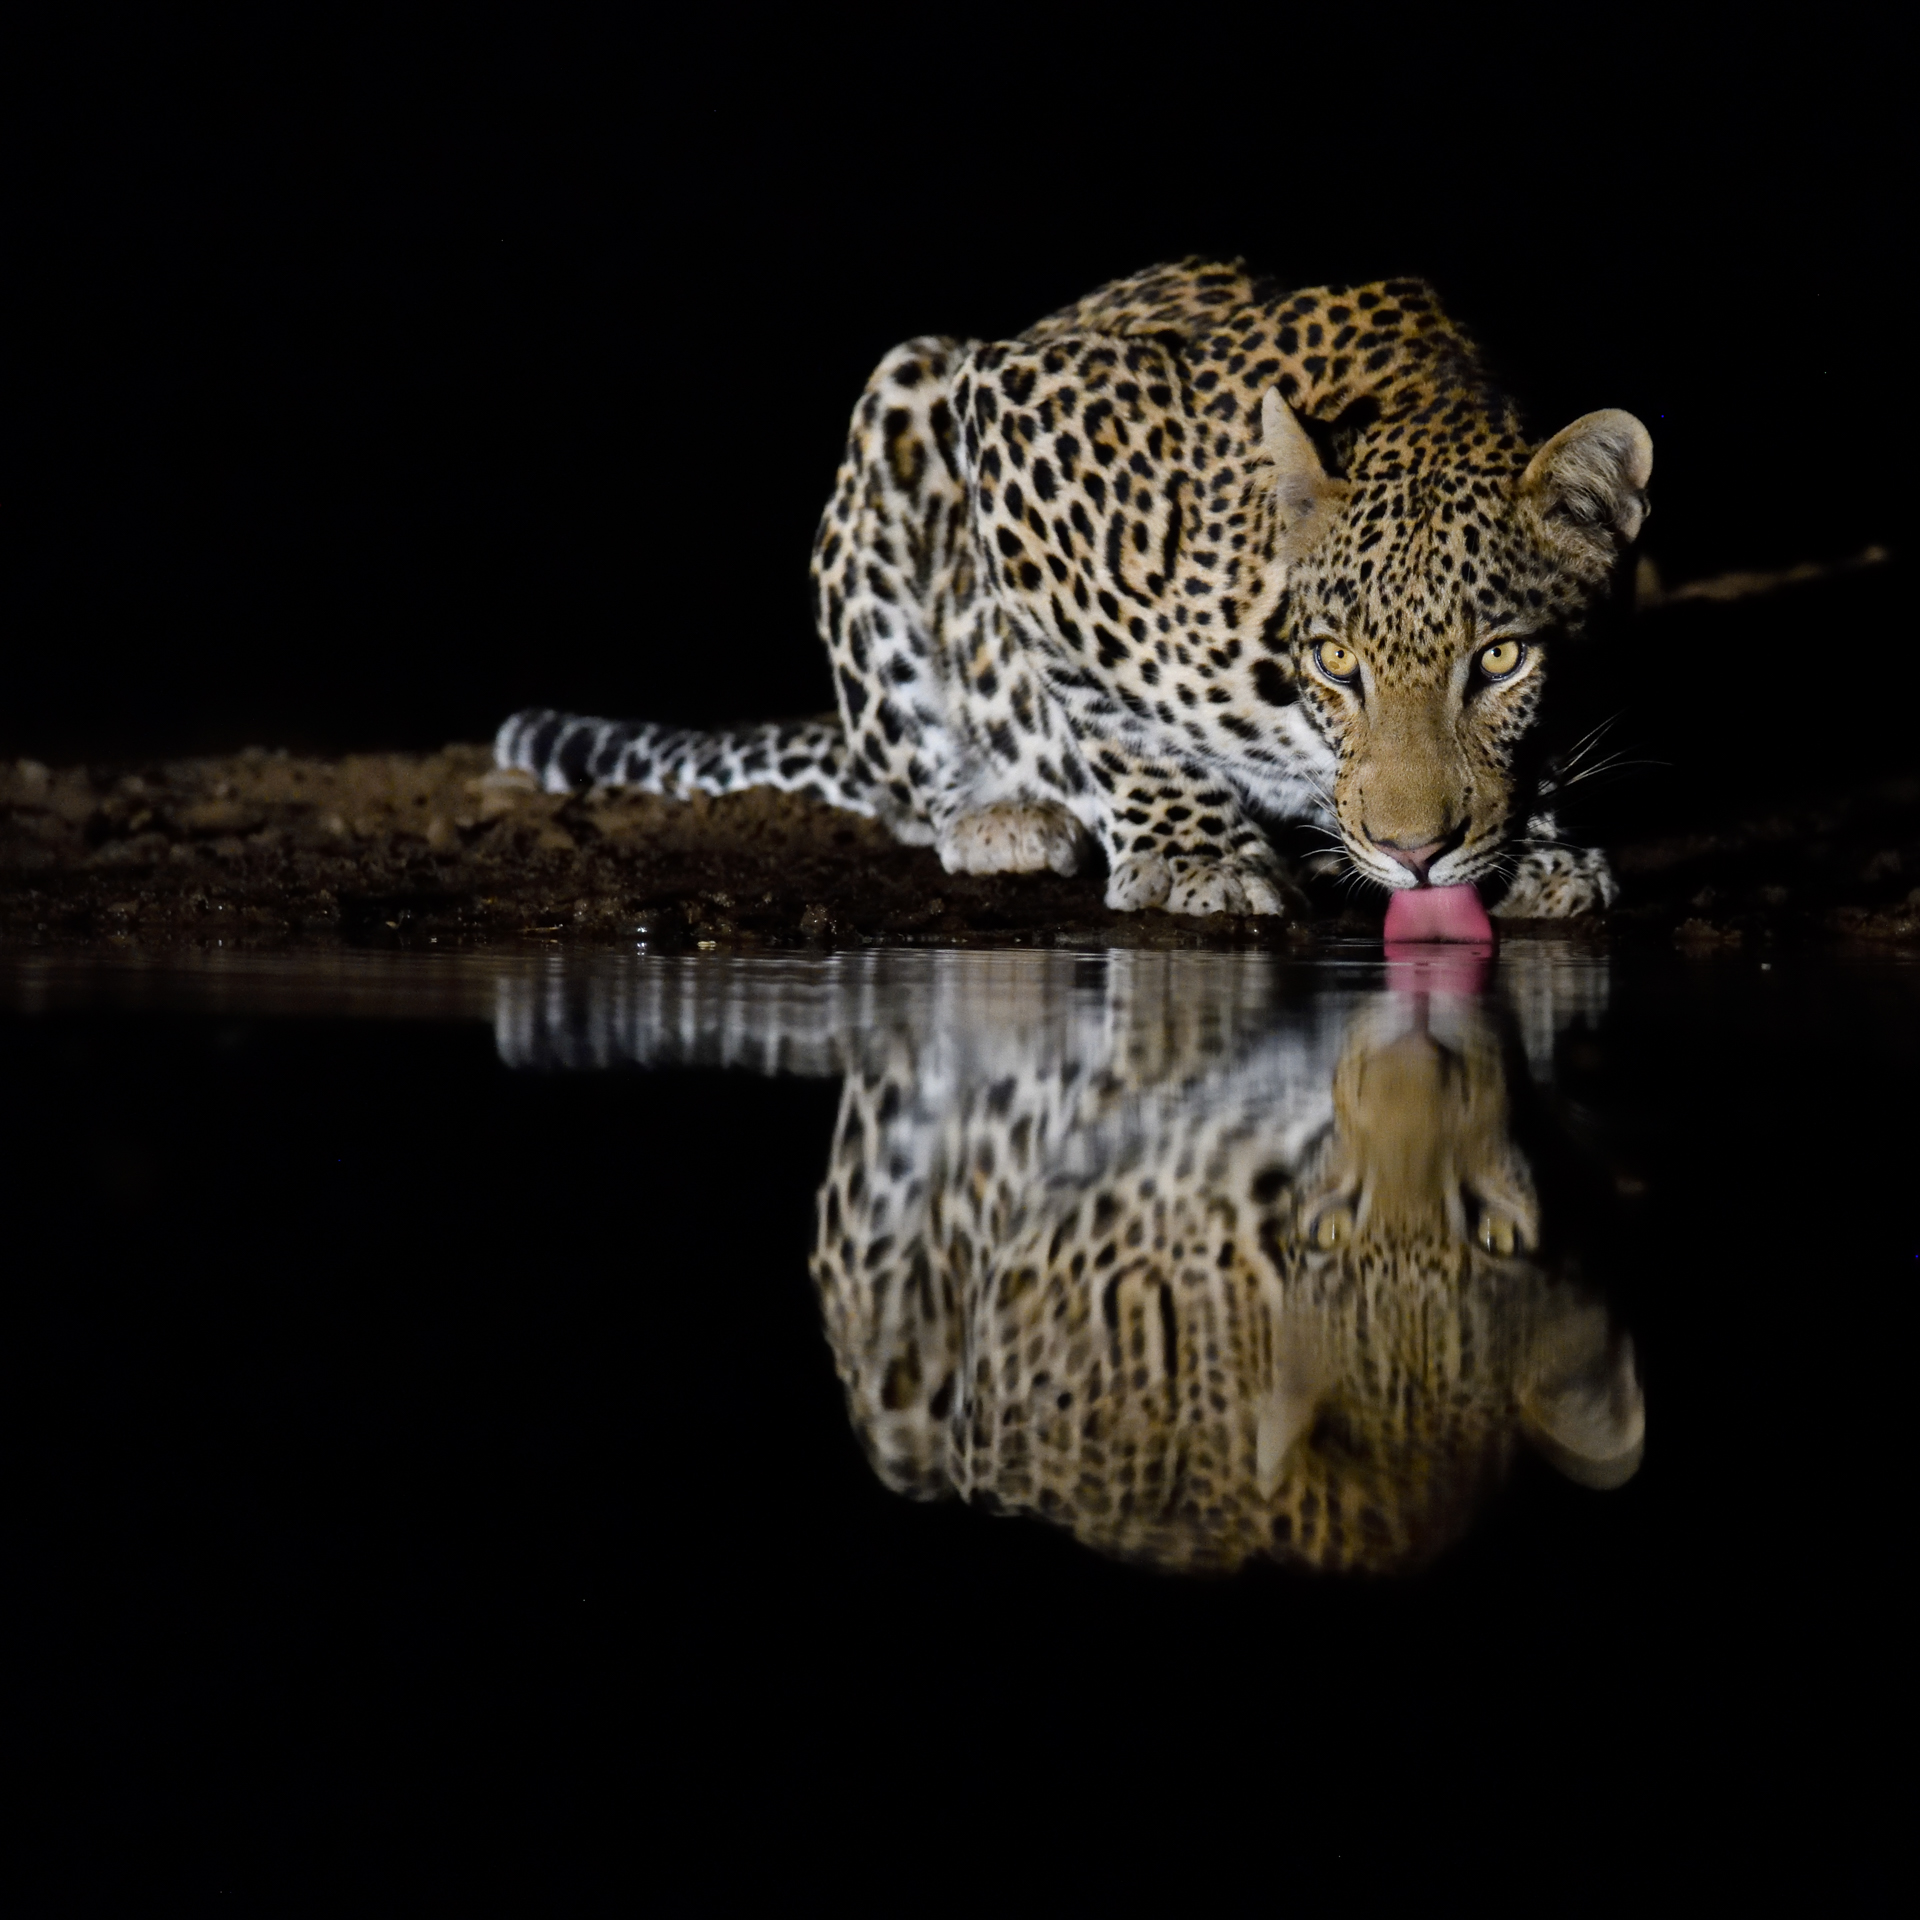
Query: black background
x=376, y=373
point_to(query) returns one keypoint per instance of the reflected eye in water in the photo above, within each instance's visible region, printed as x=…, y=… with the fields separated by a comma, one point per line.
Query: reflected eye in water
x=1332, y=1227
x=1499, y=1234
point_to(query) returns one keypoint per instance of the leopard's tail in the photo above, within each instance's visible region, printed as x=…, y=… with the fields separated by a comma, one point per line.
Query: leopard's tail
x=565, y=751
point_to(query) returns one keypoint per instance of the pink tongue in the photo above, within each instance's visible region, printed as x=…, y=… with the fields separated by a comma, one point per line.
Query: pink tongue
x=1437, y=913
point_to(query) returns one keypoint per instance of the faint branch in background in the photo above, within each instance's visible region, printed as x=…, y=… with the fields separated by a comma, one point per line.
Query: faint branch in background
x=1650, y=592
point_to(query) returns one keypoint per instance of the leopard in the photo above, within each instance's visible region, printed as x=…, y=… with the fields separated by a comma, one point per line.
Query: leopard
x=1188, y=562
x=1150, y=1249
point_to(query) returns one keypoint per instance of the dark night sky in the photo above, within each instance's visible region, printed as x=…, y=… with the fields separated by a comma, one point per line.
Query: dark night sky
x=368, y=383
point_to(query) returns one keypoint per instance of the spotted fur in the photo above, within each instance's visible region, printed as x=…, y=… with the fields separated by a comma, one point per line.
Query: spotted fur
x=1127, y=1313
x=1157, y=1249
x=1078, y=589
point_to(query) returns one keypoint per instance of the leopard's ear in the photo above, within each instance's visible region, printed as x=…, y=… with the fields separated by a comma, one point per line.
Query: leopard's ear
x=1584, y=1410
x=1588, y=483
x=1307, y=496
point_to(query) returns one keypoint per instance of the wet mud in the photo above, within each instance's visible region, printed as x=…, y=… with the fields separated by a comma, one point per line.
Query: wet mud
x=272, y=849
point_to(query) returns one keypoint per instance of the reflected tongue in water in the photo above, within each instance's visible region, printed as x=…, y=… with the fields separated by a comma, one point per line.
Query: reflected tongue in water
x=1437, y=913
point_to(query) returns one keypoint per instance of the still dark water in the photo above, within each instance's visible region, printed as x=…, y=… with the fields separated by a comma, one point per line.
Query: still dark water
x=1117, y=1425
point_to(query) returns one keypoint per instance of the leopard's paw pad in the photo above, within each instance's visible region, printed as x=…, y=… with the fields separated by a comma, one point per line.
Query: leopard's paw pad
x=1014, y=836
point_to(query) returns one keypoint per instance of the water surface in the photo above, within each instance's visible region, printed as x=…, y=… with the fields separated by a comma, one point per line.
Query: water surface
x=1441, y=1398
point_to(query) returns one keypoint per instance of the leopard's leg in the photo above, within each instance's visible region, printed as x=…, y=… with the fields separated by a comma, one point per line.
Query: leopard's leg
x=1555, y=881
x=943, y=713
x=1179, y=836
x=1017, y=796
x=885, y=1294
x=892, y=566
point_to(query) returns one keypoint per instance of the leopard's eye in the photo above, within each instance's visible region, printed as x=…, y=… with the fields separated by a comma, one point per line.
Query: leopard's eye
x=1502, y=658
x=1335, y=661
x=1333, y=1228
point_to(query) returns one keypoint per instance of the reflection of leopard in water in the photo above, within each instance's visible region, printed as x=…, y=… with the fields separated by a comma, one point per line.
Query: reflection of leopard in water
x=1200, y=1311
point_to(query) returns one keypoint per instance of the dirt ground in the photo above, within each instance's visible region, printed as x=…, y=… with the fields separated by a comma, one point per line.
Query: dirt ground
x=439, y=849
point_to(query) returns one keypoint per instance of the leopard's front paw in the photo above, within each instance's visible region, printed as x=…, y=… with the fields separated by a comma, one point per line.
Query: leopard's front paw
x=1555, y=883
x=1014, y=836
x=1228, y=884
x=1197, y=883
x=1137, y=880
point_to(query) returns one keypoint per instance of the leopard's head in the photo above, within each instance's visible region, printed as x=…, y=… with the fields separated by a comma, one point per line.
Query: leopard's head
x=1328, y=1352
x=1421, y=1335
x=1428, y=586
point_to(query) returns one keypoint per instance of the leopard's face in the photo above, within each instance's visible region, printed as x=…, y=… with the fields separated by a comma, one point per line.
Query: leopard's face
x=1329, y=1360
x=1415, y=1327
x=1425, y=600
x=1423, y=667
x=1419, y=1167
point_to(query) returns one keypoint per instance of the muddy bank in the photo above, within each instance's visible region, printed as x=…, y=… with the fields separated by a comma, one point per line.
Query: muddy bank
x=440, y=847
x=272, y=849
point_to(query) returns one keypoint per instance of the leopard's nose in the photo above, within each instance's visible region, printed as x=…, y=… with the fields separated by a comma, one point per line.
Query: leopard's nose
x=1415, y=851
x=1416, y=860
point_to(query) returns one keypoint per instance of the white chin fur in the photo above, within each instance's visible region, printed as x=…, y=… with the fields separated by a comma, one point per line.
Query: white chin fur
x=1396, y=878
x=1387, y=873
